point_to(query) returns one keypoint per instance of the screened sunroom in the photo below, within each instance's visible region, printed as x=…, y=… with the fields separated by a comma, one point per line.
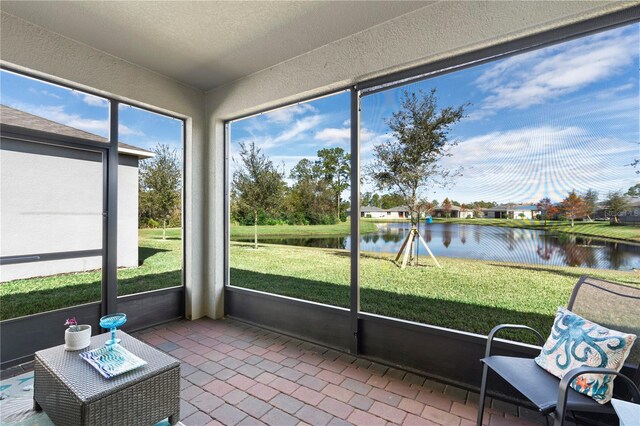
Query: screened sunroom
x=321, y=209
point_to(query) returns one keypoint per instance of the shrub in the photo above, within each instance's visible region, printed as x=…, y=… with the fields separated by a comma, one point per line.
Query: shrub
x=153, y=223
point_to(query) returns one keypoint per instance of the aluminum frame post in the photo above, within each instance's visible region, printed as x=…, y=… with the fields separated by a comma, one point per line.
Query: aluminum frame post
x=355, y=219
x=110, y=259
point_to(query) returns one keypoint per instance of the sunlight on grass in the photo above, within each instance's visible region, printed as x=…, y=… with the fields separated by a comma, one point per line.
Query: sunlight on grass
x=469, y=295
x=161, y=268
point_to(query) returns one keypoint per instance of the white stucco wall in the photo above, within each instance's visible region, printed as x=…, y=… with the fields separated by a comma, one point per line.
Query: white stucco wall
x=435, y=32
x=128, y=211
x=37, y=50
x=51, y=200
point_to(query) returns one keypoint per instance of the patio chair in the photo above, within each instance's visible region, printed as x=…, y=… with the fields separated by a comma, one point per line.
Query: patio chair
x=619, y=310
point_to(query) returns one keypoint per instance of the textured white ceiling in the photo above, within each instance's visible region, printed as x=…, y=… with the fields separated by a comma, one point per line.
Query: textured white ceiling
x=207, y=43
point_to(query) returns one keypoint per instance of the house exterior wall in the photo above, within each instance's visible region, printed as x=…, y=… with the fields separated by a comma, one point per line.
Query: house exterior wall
x=466, y=214
x=374, y=215
x=128, y=211
x=396, y=215
x=51, y=201
x=528, y=214
x=42, y=52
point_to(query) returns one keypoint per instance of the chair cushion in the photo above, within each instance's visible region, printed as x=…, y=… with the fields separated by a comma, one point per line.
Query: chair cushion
x=540, y=387
x=576, y=342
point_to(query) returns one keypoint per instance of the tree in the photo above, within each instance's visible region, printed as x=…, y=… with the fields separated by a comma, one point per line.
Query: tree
x=477, y=211
x=573, y=207
x=334, y=166
x=310, y=199
x=547, y=208
x=410, y=161
x=366, y=199
x=257, y=184
x=590, y=202
x=446, y=207
x=388, y=201
x=634, y=191
x=616, y=204
x=160, y=186
x=369, y=199
x=375, y=200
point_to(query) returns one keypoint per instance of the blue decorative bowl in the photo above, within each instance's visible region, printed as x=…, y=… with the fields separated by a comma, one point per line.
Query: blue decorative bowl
x=112, y=322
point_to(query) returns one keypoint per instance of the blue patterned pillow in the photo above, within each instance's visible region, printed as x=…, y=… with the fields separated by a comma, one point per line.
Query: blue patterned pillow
x=577, y=342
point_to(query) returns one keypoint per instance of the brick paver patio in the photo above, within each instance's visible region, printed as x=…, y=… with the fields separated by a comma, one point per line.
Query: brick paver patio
x=238, y=374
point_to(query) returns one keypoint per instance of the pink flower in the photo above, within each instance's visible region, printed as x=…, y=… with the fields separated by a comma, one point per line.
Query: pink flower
x=73, y=324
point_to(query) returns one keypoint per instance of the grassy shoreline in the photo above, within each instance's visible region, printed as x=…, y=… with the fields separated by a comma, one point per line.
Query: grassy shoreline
x=340, y=229
x=601, y=230
x=466, y=294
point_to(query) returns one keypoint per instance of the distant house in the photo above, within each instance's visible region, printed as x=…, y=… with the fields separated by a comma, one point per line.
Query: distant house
x=511, y=211
x=52, y=201
x=371, y=212
x=398, y=212
x=455, y=212
x=630, y=215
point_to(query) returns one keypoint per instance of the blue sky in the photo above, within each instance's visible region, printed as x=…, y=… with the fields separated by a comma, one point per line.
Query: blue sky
x=539, y=124
x=90, y=113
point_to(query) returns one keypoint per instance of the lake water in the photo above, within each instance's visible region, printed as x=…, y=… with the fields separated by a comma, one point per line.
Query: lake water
x=488, y=243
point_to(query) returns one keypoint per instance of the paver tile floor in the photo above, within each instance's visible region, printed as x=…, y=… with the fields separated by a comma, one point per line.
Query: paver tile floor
x=237, y=374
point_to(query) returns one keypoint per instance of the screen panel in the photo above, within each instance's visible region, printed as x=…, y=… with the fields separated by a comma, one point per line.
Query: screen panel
x=289, y=174
x=520, y=175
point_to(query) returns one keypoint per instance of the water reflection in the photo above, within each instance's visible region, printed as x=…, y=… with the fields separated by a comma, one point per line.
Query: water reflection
x=490, y=243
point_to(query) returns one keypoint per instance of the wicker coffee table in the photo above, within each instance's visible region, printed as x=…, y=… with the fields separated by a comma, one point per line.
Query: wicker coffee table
x=72, y=392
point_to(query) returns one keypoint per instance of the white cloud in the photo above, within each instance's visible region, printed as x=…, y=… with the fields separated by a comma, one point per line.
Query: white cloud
x=94, y=101
x=540, y=76
x=298, y=128
x=286, y=115
x=333, y=135
x=59, y=115
x=534, y=162
x=295, y=133
x=45, y=92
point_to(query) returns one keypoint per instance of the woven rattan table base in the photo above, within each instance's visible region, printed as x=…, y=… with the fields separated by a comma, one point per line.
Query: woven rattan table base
x=144, y=398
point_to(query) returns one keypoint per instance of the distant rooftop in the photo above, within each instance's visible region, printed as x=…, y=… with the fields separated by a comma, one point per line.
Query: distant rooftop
x=16, y=117
x=505, y=207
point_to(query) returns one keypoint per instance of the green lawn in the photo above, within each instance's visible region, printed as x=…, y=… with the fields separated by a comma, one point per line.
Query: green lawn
x=340, y=229
x=465, y=294
x=468, y=295
x=600, y=229
x=161, y=268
